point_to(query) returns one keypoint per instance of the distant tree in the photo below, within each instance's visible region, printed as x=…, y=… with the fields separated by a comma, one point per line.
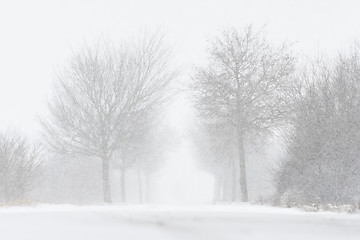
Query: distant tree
x=215, y=151
x=243, y=85
x=133, y=147
x=145, y=150
x=101, y=92
x=158, y=142
x=19, y=166
x=322, y=164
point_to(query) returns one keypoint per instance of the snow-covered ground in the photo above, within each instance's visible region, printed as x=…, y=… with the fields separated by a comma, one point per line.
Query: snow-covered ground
x=220, y=222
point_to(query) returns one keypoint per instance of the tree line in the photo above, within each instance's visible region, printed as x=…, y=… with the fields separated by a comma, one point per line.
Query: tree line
x=108, y=100
x=251, y=90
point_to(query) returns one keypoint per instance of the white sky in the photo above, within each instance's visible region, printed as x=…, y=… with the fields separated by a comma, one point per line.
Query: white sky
x=37, y=36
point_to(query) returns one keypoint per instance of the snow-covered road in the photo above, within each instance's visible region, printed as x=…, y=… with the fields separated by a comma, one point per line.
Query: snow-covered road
x=219, y=222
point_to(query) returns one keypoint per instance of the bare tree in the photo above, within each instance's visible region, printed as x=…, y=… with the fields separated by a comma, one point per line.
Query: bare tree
x=101, y=92
x=131, y=148
x=322, y=161
x=242, y=85
x=144, y=151
x=19, y=166
x=215, y=151
x=156, y=143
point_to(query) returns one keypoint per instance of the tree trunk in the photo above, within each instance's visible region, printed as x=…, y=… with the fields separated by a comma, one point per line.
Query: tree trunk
x=147, y=187
x=140, y=186
x=217, y=190
x=234, y=181
x=106, y=180
x=242, y=164
x=122, y=186
x=222, y=193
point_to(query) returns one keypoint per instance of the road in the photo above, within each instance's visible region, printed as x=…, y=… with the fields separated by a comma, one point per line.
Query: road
x=201, y=222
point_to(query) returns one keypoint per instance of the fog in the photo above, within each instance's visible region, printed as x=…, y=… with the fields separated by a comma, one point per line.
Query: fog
x=180, y=119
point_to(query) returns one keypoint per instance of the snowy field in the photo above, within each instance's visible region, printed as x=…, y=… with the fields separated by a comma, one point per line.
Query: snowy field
x=218, y=222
